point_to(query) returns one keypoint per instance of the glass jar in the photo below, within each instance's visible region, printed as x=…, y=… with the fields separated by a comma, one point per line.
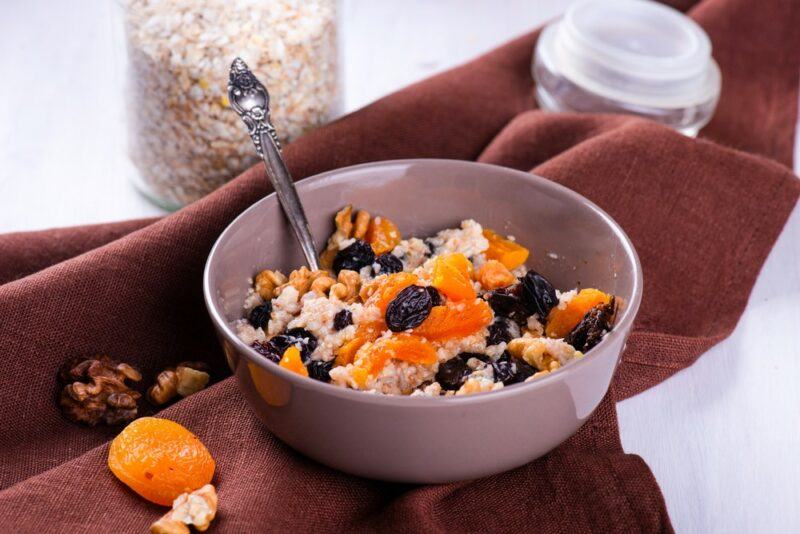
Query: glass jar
x=628, y=56
x=184, y=139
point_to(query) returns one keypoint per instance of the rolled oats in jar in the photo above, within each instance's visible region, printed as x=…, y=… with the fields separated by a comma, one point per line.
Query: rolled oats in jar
x=185, y=140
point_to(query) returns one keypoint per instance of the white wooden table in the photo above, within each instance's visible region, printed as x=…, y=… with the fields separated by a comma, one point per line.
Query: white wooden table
x=721, y=436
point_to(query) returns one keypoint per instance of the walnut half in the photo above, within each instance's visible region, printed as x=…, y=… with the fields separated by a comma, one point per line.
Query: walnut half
x=95, y=391
x=197, y=508
x=183, y=380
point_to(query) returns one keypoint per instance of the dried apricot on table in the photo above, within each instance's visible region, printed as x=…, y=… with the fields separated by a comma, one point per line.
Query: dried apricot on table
x=455, y=320
x=405, y=347
x=452, y=275
x=509, y=253
x=383, y=235
x=160, y=459
x=560, y=322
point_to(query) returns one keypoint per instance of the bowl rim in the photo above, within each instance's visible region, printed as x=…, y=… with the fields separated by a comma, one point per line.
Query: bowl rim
x=623, y=325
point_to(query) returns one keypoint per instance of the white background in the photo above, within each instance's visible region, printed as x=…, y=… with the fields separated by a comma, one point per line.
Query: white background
x=721, y=436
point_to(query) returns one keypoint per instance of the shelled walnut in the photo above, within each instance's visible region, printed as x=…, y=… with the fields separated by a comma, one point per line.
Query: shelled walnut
x=197, y=508
x=184, y=379
x=95, y=391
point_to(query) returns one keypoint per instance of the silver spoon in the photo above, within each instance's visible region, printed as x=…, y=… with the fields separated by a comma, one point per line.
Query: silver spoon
x=250, y=99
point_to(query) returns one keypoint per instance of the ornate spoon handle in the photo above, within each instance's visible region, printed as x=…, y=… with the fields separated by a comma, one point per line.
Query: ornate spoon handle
x=250, y=99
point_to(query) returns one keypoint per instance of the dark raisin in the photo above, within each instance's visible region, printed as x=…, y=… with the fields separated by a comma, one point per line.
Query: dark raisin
x=408, y=309
x=538, y=294
x=592, y=327
x=524, y=370
x=436, y=298
x=319, y=370
x=342, y=319
x=268, y=350
x=301, y=338
x=387, y=264
x=452, y=373
x=509, y=370
x=499, y=331
x=355, y=257
x=429, y=244
x=259, y=316
x=467, y=355
x=506, y=302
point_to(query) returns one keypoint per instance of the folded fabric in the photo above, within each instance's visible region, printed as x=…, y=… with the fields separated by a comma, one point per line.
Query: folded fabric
x=702, y=213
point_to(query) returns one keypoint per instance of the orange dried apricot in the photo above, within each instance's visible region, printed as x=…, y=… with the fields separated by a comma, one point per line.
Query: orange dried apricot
x=455, y=320
x=509, y=253
x=494, y=275
x=452, y=276
x=365, y=333
x=160, y=459
x=387, y=288
x=561, y=322
x=405, y=347
x=292, y=361
x=383, y=235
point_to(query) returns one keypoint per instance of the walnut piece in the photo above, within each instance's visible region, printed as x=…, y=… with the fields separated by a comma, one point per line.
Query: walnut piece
x=543, y=353
x=267, y=281
x=361, y=225
x=197, y=508
x=344, y=230
x=347, y=286
x=95, y=391
x=183, y=380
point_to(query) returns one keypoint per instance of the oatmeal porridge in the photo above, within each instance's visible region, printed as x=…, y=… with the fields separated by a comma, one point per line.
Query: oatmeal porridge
x=450, y=314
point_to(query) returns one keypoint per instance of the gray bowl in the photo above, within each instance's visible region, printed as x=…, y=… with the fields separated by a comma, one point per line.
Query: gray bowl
x=419, y=439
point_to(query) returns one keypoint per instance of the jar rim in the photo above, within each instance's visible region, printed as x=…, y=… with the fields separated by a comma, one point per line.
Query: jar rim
x=636, y=51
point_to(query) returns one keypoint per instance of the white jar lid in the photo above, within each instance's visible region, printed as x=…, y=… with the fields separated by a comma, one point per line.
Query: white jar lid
x=635, y=51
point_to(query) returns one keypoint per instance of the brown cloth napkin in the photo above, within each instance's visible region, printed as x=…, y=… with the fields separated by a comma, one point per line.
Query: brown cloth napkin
x=703, y=215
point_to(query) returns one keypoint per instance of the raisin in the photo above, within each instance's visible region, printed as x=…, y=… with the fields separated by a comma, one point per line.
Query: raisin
x=319, y=370
x=301, y=338
x=538, y=295
x=510, y=370
x=354, y=258
x=436, y=297
x=268, y=350
x=429, y=244
x=342, y=319
x=592, y=327
x=507, y=302
x=408, y=309
x=387, y=264
x=452, y=373
x=259, y=316
x=467, y=355
x=500, y=331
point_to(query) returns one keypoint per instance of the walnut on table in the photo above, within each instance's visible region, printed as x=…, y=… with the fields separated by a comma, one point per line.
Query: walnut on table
x=197, y=508
x=95, y=391
x=185, y=379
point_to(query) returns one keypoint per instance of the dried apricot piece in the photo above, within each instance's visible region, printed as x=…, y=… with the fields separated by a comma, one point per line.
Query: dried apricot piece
x=455, y=320
x=384, y=289
x=293, y=362
x=560, y=322
x=494, y=275
x=405, y=347
x=365, y=333
x=452, y=276
x=383, y=235
x=509, y=253
x=160, y=459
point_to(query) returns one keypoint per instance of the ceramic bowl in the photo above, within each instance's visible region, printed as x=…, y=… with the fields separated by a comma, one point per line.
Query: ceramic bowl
x=421, y=439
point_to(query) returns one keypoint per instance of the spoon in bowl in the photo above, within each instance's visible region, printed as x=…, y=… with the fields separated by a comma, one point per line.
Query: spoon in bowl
x=250, y=99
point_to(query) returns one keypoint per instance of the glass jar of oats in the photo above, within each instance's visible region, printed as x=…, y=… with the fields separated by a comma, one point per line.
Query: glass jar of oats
x=184, y=139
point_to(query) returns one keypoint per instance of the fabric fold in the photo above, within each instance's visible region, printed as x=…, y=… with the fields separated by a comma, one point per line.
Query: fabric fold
x=702, y=213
